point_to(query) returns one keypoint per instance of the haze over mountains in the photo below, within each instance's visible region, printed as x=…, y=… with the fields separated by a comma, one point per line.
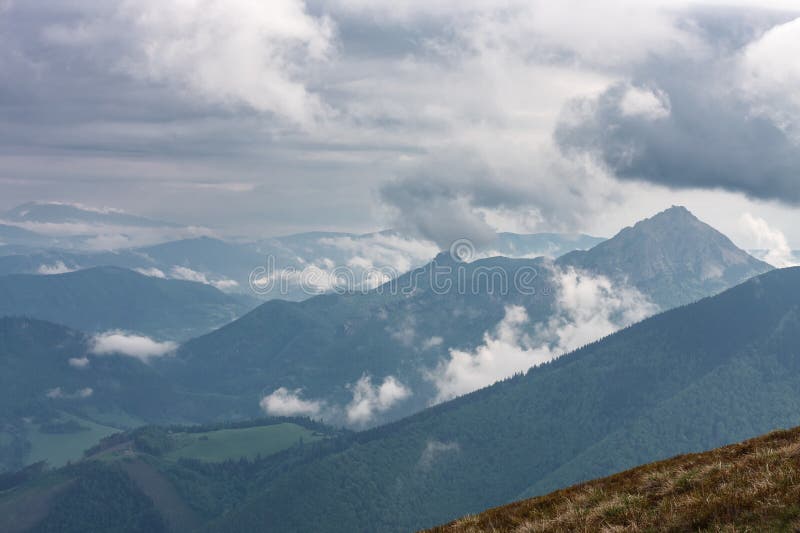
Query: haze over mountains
x=110, y=298
x=719, y=370
x=299, y=266
x=358, y=358
x=323, y=354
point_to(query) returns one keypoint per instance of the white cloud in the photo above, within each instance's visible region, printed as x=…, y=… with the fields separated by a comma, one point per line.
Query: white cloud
x=228, y=52
x=630, y=29
x=79, y=362
x=647, y=103
x=369, y=400
x=770, y=75
x=58, y=394
x=283, y=402
x=384, y=251
x=432, y=342
x=587, y=308
x=131, y=345
x=151, y=272
x=187, y=274
x=779, y=253
x=56, y=268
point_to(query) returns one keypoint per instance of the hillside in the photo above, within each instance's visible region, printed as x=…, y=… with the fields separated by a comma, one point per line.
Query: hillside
x=155, y=479
x=714, y=372
x=109, y=298
x=752, y=486
x=57, y=399
x=691, y=379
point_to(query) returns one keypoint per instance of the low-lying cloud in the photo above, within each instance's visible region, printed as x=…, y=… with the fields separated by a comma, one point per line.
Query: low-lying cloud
x=78, y=362
x=187, y=274
x=587, y=308
x=434, y=450
x=370, y=400
x=59, y=267
x=58, y=394
x=285, y=402
x=130, y=345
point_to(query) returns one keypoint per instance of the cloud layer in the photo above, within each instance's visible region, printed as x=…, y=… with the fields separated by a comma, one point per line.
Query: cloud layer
x=444, y=120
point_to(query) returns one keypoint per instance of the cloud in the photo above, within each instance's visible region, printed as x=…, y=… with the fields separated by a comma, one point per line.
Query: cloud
x=779, y=253
x=151, y=272
x=369, y=400
x=432, y=342
x=187, y=274
x=58, y=394
x=434, y=449
x=213, y=96
x=228, y=52
x=283, y=402
x=79, y=362
x=131, y=345
x=770, y=76
x=641, y=102
x=724, y=119
x=56, y=268
x=586, y=309
x=391, y=252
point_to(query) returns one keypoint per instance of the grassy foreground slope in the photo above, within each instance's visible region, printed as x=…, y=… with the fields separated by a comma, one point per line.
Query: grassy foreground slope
x=751, y=486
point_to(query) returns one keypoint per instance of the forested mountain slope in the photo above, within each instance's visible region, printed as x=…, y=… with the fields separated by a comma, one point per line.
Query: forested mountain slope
x=109, y=298
x=717, y=371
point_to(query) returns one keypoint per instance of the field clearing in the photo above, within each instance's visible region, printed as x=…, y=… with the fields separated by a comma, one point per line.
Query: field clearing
x=224, y=444
x=59, y=448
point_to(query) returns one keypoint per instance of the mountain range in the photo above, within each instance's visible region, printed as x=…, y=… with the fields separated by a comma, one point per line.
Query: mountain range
x=408, y=330
x=83, y=237
x=689, y=379
x=109, y=298
x=366, y=356
x=696, y=377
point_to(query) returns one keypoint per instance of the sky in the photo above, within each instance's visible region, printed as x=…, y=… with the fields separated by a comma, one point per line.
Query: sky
x=445, y=119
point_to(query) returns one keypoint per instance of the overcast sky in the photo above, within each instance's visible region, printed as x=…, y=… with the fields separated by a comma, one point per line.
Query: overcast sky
x=447, y=119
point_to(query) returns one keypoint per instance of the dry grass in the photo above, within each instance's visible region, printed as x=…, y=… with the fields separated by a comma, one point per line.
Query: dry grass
x=749, y=487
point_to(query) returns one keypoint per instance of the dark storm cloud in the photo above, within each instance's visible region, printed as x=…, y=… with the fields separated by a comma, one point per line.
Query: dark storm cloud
x=711, y=133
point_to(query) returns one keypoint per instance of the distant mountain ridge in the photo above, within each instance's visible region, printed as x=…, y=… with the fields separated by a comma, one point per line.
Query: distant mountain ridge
x=109, y=298
x=326, y=344
x=62, y=212
x=672, y=257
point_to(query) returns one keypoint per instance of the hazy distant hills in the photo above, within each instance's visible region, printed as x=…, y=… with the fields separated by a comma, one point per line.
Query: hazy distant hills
x=672, y=257
x=42, y=238
x=41, y=213
x=717, y=371
x=407, y=329
x=109, y=298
